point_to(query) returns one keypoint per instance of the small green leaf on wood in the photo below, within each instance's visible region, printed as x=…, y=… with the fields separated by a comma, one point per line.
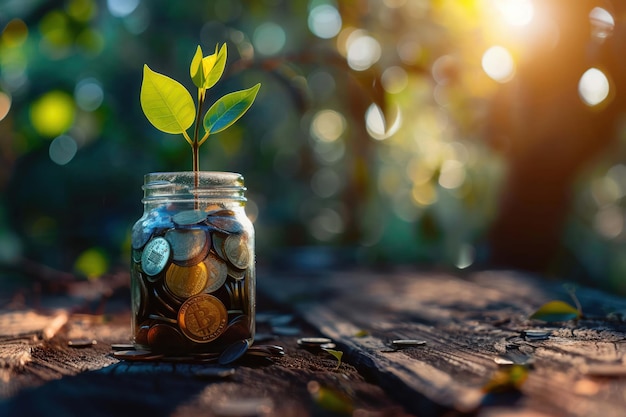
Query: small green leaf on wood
x=337, y=354
x=228, y=109
x=362, y=333
x=166, y=103
x=507, y=378
x=556, y=311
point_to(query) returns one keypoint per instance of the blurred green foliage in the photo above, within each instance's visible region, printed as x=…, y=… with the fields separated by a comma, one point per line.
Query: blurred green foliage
x=368, y=136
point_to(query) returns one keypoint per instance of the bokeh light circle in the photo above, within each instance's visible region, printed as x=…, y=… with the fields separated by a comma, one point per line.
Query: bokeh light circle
x=324, y=21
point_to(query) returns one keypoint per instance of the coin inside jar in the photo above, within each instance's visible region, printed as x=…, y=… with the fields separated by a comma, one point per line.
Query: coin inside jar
x=217, y=272
x=189, y=217
x=189, y=246
x=236, y=250
x=185, y=281
x=155, y=256
x=202, y=318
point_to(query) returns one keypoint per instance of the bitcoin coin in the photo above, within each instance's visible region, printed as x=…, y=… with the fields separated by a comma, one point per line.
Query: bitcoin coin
x=155, y=256
x=236, y=250
x=202, y=318
x=189, y=246
x=185, y=281
x=217, y=272
x=189, y=217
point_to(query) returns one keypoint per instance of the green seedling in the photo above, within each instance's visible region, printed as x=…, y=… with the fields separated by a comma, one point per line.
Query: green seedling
x=169, y=106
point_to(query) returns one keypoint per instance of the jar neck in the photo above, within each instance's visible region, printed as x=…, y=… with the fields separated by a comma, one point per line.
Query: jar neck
x=197, y=189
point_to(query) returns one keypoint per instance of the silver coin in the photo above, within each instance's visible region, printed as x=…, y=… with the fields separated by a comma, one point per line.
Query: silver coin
x=189, y=217
x=313, y=341
x=407, y=342
x=155, y=256
x=233, y=352
x=189, y=246
x=217, y=273
x=81, y=343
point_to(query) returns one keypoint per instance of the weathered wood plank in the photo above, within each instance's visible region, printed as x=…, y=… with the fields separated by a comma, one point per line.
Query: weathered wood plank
x=466, y=324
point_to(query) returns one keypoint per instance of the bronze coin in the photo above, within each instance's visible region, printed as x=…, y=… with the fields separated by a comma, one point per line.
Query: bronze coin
x=217, y=272
x=155, y=256
x=225, y=224
x=202, y=318
x=236, y=251
x=163, y=337
x=185, y=281
x=221, y=212
x=189, y=246
x=161, y=304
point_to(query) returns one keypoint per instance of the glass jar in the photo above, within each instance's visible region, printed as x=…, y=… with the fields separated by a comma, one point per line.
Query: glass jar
x=193, y=264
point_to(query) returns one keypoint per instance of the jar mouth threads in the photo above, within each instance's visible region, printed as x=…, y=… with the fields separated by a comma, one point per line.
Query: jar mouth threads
x=186, y=186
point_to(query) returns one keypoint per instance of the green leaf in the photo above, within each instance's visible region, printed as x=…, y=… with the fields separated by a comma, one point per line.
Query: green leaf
x=554, y=311
x=166, y=103
x=507, y=378
x=337, y=354
x=228, y=109
x=214, y=66
x=196, y=70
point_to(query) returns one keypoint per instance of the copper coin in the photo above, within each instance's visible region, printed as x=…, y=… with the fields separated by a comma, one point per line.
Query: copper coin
x=217, y=272
x=202, y=318
x=189, y=217
x=189, y=246
x=225, y=224
x=236, y=250
x=162, y=319
x=221, y=212
x=163, y=337
x=155, y=256
x=185, y=281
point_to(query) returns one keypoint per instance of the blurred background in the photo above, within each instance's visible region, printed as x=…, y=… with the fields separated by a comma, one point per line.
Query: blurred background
x=431, y=133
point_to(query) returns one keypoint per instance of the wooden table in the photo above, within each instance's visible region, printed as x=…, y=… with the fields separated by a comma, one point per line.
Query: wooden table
x=468, y=332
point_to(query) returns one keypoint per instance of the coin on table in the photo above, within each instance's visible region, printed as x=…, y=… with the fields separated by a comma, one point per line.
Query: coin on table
x=202, y=318
x=189, y=246
x=189, y=217
x=313, y=342
x=236, y=250
x=185, y=281
x=155, y=256
x=217, y=271
x=233, y=352
x=136, y=355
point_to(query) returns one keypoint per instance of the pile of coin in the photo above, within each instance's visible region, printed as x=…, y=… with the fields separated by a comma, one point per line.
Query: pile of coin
x=192, y=280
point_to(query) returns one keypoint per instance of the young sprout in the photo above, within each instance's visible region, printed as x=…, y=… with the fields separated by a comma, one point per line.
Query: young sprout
x=169, y=106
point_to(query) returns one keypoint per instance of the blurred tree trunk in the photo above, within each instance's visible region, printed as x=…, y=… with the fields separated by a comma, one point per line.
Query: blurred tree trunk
x=547, y=134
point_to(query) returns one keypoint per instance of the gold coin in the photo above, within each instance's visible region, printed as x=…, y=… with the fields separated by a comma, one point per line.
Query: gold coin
x=189, y=246
x=217, y=272
x=202, y=318
x=185, y=281
x=236, y=250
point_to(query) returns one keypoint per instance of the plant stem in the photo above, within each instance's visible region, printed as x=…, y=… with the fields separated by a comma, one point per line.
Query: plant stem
x=195, y=146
